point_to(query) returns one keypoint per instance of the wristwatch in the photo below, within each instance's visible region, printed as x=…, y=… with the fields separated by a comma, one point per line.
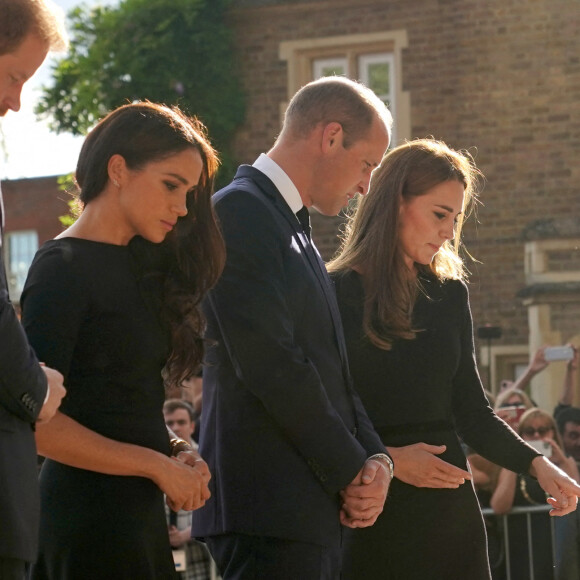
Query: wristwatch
x=386, y=460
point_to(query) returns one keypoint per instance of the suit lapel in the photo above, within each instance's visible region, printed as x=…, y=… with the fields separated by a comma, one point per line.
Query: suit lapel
x=309, y=250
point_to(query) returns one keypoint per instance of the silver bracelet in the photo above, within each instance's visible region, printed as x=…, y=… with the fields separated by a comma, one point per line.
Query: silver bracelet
x=178, y=445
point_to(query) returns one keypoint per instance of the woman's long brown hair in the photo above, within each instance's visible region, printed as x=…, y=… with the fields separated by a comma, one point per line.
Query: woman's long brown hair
x=371, y=241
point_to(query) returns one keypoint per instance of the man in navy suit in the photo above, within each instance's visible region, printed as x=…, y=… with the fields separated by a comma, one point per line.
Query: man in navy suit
x=291, y=450
x=29, y=392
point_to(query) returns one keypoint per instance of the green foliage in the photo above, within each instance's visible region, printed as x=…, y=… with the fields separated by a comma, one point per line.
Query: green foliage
x=167, y=51
x=68, y=184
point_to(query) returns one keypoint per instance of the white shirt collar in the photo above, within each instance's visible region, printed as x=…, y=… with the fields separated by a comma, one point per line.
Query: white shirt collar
x=281, y=180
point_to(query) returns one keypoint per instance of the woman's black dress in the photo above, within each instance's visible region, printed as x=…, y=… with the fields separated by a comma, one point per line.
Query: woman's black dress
x=92, y=315
x=425, y=390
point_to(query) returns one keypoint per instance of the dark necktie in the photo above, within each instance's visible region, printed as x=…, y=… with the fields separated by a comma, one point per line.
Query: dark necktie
x=304, y=219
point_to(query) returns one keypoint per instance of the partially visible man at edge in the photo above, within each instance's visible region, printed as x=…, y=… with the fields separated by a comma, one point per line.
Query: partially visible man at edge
x=568, y=420
x=29, y=392
x=291, y=450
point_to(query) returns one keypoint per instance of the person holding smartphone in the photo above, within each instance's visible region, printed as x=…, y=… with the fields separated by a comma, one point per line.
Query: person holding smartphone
x=546, y=355
x=538, y=429
x=511, y=404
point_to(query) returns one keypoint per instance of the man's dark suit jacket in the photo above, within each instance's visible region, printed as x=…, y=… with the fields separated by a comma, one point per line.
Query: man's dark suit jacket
x=22, y=392
x=281, y=428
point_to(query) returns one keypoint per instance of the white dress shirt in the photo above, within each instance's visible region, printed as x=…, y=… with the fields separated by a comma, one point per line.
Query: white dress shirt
x=281, y=180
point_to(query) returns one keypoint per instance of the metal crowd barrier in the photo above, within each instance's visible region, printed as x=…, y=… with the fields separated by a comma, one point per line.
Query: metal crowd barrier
x=528, y=511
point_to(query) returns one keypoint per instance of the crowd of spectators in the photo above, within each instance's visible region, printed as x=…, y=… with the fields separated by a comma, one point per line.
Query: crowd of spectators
x=556, y=434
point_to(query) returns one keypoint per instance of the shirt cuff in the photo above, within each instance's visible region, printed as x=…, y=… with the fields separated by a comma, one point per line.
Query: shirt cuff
x=47, y=393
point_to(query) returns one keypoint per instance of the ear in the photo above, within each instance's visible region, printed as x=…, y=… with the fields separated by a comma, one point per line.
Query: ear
x=402, y=205
x=332, y=137
x=117, y=169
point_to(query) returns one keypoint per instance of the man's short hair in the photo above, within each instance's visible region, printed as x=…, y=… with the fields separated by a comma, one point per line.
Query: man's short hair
x=335, y=99
x=42, y=18
x=567, y=415
x=171, y=405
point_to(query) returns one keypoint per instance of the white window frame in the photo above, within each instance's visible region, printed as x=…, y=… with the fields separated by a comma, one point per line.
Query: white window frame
x=303, y=56
x=319, y=64
x=17, y=266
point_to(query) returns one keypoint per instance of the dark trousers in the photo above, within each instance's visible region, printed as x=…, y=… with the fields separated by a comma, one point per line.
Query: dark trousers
x=243, y=557
x=12, y=569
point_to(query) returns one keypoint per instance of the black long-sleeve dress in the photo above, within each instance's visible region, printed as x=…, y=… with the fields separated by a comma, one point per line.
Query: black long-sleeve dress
x=425, y=390
x=91, y=314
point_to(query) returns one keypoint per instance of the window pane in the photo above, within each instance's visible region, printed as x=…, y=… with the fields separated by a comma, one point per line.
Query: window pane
x=21, y=249
x=378, y=75
x=325, y=67
x=332, y=70
x=377, y=71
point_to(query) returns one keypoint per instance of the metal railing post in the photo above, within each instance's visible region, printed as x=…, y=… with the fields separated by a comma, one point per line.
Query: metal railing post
x=506, y=535
x=527, y=511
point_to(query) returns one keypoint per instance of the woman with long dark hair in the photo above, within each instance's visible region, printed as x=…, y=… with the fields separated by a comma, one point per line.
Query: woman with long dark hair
x=407, y=322
x=113, y=304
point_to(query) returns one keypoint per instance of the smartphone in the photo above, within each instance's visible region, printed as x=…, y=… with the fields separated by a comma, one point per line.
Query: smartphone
x=542, y=446
x=552, y=353
x=512, y=411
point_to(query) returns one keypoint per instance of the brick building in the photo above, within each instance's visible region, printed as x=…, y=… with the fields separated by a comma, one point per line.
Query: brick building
x=32, y=208
x=498, y=77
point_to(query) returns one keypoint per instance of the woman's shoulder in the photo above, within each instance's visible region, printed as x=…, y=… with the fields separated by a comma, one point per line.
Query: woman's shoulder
x=456, y=286
x=344, y=275
x=348, y=286
x=448, y=287
x=69, y=259
x=57, y=274
x=445, y=296
x=347, y=281
x=69, y=248
x=55, y=254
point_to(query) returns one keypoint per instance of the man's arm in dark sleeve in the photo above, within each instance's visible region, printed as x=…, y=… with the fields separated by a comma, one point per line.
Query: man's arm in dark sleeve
x=23, y=384
x=251, y=309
